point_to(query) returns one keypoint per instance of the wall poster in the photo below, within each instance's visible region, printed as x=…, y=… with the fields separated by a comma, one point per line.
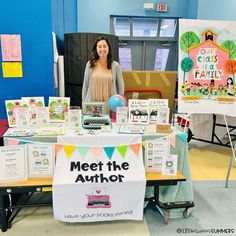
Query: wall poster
x=207, y=67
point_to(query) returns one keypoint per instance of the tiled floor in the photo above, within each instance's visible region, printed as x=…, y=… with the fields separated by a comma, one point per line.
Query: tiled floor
x=208, y=162
x=40, y=222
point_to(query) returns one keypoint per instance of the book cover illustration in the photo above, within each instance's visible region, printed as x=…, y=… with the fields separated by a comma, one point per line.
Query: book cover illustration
x=33, y=103
x=138, y=111
x=154, y=105
x=58, y=106
x=206, y=70
x=11, y=105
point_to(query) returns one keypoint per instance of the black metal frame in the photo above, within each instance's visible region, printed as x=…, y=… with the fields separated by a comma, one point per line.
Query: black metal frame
x=9, y=211
x=214, y=136
x=154, y=201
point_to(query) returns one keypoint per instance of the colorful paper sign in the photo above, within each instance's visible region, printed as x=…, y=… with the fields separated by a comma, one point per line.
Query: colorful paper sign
x=12, y=69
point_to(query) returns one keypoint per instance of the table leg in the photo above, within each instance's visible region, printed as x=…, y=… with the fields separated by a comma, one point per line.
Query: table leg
x=3, y=215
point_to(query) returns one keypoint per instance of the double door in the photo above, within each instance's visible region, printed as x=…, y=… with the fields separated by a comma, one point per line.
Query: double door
x=148, y=55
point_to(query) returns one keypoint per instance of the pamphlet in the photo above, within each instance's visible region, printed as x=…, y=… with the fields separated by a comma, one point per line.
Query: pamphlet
x=74, y=118
x=13, y=164
x=22, y=116
x=42, y=115
x=52, y=129
x=131, y=129
x=122, y=115
x=40, y=160
x=33, y=103
x=169, y=165
x=163, y=115
x=155, y=152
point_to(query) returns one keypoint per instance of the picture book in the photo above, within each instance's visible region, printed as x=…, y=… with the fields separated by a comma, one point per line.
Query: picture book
x=154, y=105
x=138, y=111
x=58, y=106
x=11, y=105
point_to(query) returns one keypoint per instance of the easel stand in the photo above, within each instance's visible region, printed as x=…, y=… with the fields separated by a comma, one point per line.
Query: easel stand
x=233, y=153
x=214, y=137
x=183, y=123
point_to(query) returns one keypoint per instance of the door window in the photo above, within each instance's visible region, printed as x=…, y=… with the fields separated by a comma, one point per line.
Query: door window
x=146, y=43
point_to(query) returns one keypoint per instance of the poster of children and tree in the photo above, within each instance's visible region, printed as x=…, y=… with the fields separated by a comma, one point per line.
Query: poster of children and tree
x=207, y=67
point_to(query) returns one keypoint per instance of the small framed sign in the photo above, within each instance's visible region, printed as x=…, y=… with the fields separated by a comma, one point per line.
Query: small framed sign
x=94, y=108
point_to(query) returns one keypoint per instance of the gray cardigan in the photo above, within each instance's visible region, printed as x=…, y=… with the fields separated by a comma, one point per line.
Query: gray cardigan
x=116, y=75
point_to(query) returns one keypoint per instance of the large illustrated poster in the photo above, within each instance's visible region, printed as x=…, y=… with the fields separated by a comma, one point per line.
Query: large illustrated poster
x=207, y=66
x=99, y=183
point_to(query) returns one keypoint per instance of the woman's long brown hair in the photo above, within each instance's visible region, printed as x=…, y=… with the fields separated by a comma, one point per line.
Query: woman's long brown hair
x=94, y=55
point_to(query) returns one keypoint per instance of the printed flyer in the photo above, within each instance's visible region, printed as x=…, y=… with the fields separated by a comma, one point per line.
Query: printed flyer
x=13, y=166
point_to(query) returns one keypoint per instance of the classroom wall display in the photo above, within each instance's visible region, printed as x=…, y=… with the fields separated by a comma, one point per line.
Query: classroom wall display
x=11, y=55
x=102, y=182
x=207, y=67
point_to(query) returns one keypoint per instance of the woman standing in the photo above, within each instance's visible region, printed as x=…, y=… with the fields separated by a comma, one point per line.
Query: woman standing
x=102, y=77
